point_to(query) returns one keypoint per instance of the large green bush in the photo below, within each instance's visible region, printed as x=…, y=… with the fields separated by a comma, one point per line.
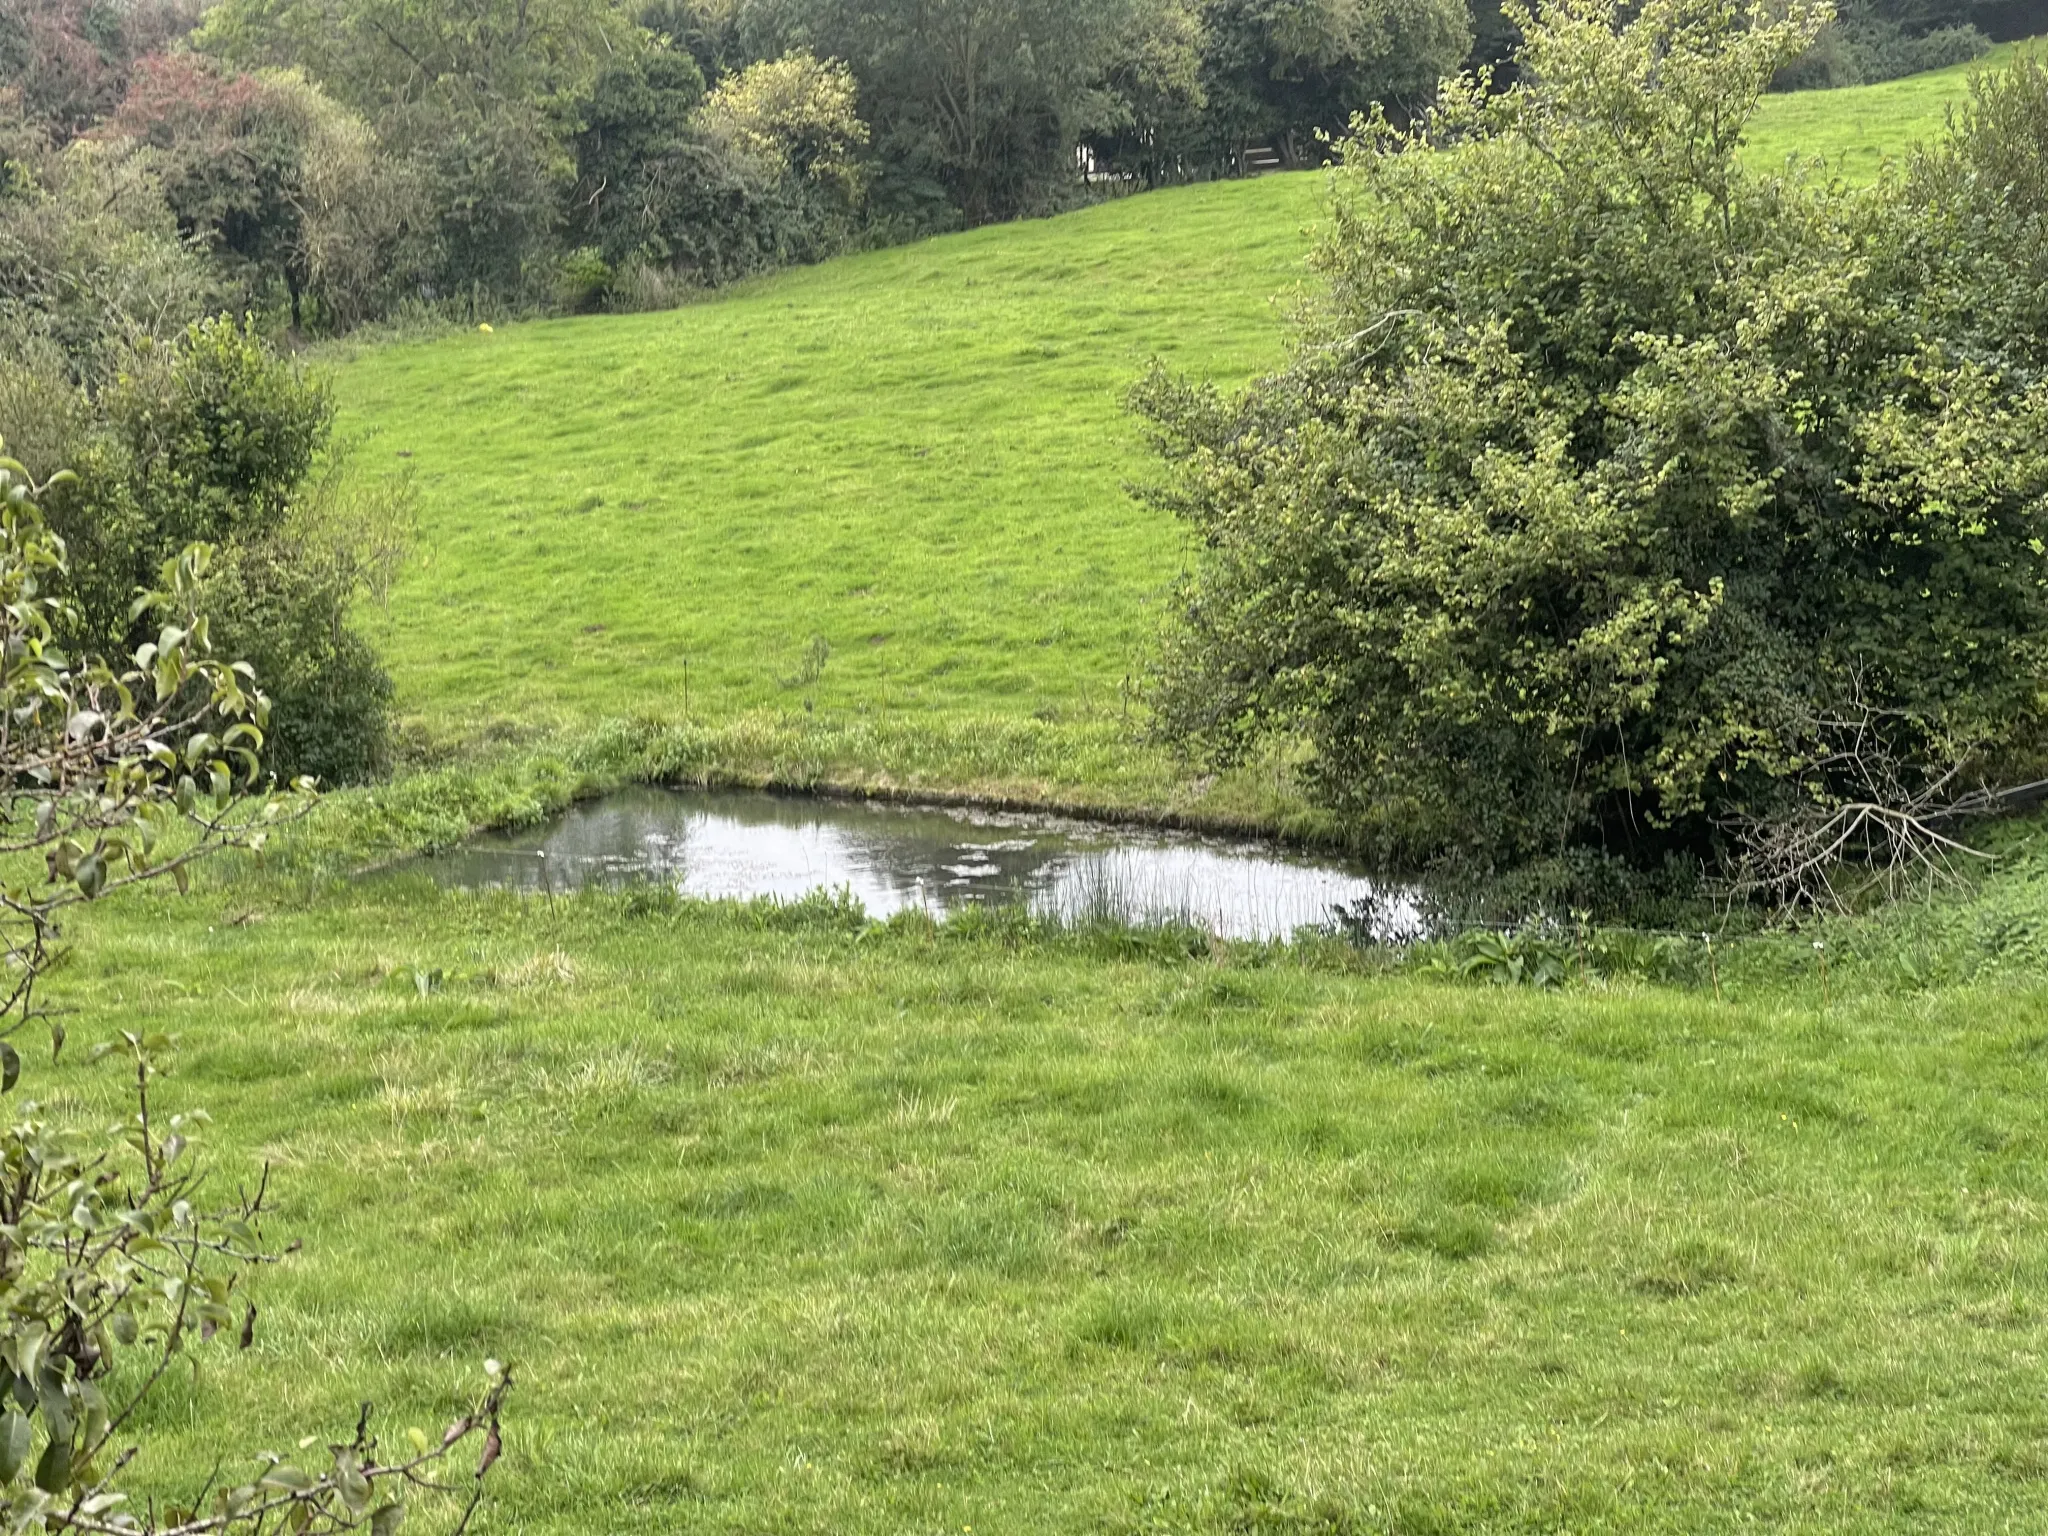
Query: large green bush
x=212, y=437
x=1618, y=496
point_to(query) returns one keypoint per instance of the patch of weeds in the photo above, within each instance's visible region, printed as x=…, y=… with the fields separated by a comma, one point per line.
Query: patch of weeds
x=649, y=898
x=811, y=665
x=1512, y=959
x=1454, y=1234
x=1692, y=1267
x=821, y=910
x=1818, y=1380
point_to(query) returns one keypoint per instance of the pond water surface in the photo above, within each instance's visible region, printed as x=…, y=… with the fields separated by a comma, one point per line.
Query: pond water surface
x=896, y=857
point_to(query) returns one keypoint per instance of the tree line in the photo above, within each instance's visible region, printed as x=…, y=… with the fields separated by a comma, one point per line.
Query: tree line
x=331, y=162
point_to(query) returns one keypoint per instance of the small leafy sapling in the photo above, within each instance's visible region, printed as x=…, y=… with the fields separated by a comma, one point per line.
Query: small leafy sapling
x=112, y=1251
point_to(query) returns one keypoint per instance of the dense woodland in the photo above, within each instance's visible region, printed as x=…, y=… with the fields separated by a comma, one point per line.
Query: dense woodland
x=323, y=163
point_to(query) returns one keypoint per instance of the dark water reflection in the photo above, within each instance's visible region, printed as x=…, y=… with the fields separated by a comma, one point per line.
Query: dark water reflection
x=895, y=857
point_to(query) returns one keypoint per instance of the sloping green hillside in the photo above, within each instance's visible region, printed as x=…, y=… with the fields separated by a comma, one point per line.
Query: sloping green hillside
x=1857, y=130
x=917, y=454
x=884, y=496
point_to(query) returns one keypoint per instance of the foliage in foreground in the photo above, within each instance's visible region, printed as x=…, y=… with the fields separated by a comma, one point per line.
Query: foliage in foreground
x=1691, y=511
x=113, y=1252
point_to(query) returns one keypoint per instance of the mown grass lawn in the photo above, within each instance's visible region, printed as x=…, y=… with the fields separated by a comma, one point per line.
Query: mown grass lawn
x=791, y=1226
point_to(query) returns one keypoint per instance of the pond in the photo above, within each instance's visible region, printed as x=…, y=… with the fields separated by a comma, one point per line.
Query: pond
x=893, y=858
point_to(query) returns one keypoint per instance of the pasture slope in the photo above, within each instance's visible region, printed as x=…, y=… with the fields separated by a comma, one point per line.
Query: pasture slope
x=792, y=1223
x=879, y=502
x=877, y=509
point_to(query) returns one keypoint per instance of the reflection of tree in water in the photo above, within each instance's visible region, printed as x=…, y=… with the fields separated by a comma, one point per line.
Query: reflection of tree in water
x=893, y=857
x=918, y=857
x=907, y=856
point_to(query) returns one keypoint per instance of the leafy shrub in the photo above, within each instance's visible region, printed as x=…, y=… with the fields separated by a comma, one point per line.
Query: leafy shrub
x=91, y=257
x=794, y=116
x=1979, y=203
x=1864, y=50
x=583, y=280
x=763, y=173
x=287, y=616
x=1515, y=959
x=214, y=438
x=1683, y=499
x=490, y=176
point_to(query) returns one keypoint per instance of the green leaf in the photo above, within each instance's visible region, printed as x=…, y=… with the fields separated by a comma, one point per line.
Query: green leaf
x=355, y=1488
x=285, y=1475
x=387, y=1520
x=10, y=1067
x=53, y=1470
x=58, y=1419
x=14, y=1441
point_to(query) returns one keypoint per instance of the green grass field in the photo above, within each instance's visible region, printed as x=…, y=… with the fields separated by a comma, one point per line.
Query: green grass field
x=1856, y=131
x=792, y=1226
x=916, y=456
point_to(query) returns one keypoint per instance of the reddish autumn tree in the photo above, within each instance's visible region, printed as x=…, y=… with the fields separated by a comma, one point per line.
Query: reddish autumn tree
x=232, y=149
x=64, y=64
